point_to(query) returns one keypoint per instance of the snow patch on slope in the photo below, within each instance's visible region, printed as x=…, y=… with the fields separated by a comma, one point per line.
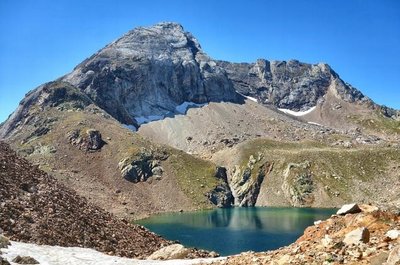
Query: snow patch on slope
x=55, y=255
x=314, y=123
x=248, y=97
x=297, y=113
x=182, y=108
x=145, y=119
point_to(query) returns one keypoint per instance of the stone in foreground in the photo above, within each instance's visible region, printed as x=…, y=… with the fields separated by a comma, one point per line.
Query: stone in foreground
x=359, y=235
x=4, y=242
x=3, y=261
x=393, y=234
x=394, y=256
x=349, y=208
x=175, y=251
x=25, y=260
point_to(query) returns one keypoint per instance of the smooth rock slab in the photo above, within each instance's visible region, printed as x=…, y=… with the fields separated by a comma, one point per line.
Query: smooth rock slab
x=175, y=251
x=349, y=208
x=4, y=242
x=394, y=256
x=359, y=235
x=393, y=234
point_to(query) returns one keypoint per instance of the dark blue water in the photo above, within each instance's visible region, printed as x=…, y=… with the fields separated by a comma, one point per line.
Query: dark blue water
x=234, y=230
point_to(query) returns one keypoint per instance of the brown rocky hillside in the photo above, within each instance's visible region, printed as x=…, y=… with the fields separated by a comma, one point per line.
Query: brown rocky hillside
x=35, y=208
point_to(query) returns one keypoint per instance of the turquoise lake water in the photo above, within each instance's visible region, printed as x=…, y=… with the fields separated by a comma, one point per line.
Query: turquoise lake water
x=234, y=230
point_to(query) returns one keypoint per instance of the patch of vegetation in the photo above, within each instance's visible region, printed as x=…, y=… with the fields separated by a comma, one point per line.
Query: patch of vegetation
x=194, y=176
x=337, y=168
x=378, y=123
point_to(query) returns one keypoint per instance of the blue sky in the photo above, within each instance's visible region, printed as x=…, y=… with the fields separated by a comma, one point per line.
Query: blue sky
x=42, y=40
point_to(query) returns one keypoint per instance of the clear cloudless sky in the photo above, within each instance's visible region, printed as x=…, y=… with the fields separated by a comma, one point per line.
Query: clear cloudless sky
x=42, y=40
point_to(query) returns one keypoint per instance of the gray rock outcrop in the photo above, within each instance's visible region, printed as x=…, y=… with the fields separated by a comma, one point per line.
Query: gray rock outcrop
x=149, y=71
x=142, y=167
x=290, y=85
x=359, y=235
x=25, y=260
x=4, y=242
x=349, y=208
x=394, y=256
x=245, y=182
x=221, y=196
x=298, y=185
x=94, y=140
x=89, y=141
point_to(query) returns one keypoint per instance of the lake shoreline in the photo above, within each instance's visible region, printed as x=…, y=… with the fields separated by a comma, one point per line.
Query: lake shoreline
x=250, y=227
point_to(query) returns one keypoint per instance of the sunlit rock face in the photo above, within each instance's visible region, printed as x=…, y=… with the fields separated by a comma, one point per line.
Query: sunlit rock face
x=290, y=85
x=149, y=71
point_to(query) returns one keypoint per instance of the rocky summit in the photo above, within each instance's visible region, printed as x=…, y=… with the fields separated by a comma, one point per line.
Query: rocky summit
x=150, y=71
x=152, y=124
x=290, y=85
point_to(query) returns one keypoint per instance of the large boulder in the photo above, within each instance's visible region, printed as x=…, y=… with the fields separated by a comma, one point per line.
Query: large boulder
x=94, y=141
x=221, y=196
x=349, y=208
x=393, y=234
x=143, y=166
x=394, y=257
x=175, y=251
x=359, y=235
x=25, y=260
x=4, y=242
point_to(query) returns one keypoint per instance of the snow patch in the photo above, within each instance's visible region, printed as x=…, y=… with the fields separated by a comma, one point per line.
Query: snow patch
x=297, y=113
x=182, y=108
x=145, y=119
x=55, y=255
x=314, y=123
x=248, y=97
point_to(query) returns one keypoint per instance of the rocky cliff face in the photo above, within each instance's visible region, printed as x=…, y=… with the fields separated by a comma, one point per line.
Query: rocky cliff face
x=149, y=71
x=291, y=85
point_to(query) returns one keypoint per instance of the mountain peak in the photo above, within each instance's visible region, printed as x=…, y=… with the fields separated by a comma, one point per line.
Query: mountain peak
x=150, y=71
x=169, y=25
x=157, y=37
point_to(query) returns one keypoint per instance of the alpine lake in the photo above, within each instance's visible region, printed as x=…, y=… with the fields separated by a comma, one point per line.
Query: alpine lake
x=230, y=231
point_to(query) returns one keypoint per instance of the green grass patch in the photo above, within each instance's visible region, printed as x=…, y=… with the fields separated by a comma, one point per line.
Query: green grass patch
x=378, y=123
x=194, y=176
x=336, y=167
